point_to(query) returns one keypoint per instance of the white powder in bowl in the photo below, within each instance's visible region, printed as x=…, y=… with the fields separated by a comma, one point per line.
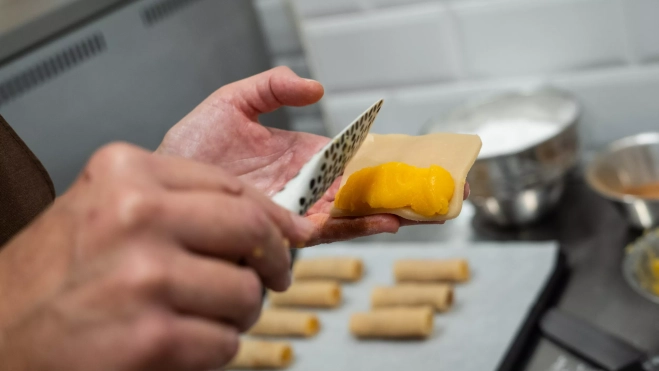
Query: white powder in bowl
x=512, y=136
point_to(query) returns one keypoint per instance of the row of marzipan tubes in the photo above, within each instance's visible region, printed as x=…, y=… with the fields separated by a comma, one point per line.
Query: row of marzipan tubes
x=402, y=311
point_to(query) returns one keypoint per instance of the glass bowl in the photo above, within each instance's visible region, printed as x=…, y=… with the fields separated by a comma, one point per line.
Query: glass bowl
x=641, y=265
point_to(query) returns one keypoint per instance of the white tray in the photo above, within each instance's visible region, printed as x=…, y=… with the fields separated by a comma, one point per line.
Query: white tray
x=474, y=336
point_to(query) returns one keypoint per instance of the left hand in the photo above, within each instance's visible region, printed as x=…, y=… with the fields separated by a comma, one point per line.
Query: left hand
x=224, y=130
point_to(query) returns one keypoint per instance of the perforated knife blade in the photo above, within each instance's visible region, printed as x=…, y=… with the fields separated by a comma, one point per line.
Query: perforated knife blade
x=318, y=174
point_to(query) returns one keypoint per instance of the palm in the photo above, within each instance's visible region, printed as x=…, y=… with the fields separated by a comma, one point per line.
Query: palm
x=224, y=131
x=266, y=158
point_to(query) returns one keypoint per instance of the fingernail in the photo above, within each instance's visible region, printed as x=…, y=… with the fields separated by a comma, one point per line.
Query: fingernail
x=310, y=80
x=304, y=225
x=300, y=245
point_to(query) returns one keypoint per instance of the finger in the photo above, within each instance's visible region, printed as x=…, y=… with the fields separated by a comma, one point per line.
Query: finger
x=215, y=289
x=271, y=90
x=178, y=173
x=182, y=174
x=330, y=229
x=294, y=227
x=467, y=191
x=199, y=344
x=234, y=228
x=406, y=222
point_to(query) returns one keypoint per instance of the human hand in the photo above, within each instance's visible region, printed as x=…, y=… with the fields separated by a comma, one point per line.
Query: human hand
x=134, y=268
x=224, y=131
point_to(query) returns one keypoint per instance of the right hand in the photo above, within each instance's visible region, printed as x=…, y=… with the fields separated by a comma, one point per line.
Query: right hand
x=134, y=268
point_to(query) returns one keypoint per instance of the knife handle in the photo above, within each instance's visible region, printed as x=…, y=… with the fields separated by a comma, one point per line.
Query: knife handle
x=590, y=343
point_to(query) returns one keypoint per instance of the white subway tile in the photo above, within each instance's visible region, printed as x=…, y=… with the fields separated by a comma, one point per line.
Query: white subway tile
x=315, y=8
x=278, y=24
x=616, y=103
x=393, y=47
x=643, y=27
x=528, y=37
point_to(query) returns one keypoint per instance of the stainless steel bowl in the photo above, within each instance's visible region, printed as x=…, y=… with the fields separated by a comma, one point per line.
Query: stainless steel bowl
x=521, y=186
x=627, y=163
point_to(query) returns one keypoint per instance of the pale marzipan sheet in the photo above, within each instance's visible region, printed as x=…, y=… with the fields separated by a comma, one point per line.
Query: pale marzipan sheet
x=454, y=152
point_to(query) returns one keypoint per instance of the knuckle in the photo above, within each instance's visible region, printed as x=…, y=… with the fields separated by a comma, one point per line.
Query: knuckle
x=145, y=271
x=114, y=157
x=134, y=207
x=282, y=69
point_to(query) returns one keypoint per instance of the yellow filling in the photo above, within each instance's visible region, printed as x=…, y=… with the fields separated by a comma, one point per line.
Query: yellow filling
x=654, y=267
x=395, y=185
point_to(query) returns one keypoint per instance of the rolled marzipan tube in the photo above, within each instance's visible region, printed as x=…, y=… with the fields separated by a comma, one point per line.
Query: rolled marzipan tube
x=279, y=322
x=313, y=294
x=262, y=355
x=393, y=323
x=418, y=270
x=439, y=296
x=342, y=269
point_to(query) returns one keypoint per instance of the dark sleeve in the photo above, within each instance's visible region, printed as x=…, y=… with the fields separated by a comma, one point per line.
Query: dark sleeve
x=25, y=186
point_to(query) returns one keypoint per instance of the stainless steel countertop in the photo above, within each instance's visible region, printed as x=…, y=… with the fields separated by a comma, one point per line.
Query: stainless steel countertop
x=24, y=23
x=592, y=235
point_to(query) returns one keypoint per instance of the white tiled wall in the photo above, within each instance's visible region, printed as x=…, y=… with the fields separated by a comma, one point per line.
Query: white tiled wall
x=278, y=23
x=427, y=56
x=528, y=37
x=381, y=48
x=643, y=27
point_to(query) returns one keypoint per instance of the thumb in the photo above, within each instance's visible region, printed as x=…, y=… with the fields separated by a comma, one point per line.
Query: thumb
x=269, y=91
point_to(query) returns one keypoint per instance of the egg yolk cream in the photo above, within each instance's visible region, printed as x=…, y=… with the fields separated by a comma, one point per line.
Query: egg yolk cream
x=418, y=178
x=427, y=191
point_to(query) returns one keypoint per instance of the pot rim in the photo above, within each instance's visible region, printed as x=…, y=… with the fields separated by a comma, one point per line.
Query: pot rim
x=641, y=139
x=474, y=104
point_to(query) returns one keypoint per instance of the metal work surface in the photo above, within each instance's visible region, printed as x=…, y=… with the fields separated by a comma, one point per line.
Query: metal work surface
x=473, y=336
x=592, y=234
x=24, y=23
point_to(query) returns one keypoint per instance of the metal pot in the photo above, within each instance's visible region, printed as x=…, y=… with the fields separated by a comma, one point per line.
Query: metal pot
x=625, y=163
x=520, y=186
